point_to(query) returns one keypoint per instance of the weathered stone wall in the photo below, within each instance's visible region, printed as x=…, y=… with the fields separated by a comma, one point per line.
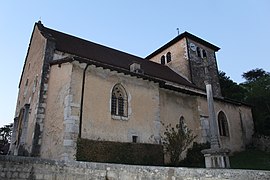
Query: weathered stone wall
x=12, y=167
x=29, y=93
x=239, y=120
x=197, y=69
x=57, y=101
x=174, y=105
x=179, y=58
x=143, y=107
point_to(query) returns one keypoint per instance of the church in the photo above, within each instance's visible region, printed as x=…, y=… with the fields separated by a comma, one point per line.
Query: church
x=73, y=88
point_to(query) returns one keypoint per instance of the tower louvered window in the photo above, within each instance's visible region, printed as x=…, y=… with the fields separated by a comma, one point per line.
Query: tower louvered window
x=162, y=59
x=198, y=52
x=169, y=57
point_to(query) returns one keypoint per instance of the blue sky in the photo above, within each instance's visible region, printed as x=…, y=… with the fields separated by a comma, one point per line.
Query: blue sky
x=240, y=28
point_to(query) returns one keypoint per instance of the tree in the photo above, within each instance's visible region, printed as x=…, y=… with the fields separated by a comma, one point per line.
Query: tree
x=254, y=74
x=230, y=89
x=5, y=138
x=254, y=91
x=257, y=86
x=176, y=140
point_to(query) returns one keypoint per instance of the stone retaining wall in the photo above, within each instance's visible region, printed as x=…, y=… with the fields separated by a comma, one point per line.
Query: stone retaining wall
x=15, y=167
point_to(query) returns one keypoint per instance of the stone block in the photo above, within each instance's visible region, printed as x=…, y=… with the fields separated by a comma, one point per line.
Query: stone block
x=2, y=174
x=15, y=175
x=23, y=175
x=9, y=175
x=39, y=176
x=48, y=176
x=68, y=142
x=111, y=175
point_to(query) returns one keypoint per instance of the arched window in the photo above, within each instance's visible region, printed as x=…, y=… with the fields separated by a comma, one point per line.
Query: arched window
x=204, y=53
x=162, y=60
x=168, y=57
x=119, y=101
x=182, y=125
x=223, y=124
x=198, y=52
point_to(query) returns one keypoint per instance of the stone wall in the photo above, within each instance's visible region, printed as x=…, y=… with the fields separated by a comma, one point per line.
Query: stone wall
x=197, y=67
x=29, y=94
x=15, y=167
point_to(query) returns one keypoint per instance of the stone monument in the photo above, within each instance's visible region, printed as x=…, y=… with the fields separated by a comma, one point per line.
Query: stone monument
x=215, y=157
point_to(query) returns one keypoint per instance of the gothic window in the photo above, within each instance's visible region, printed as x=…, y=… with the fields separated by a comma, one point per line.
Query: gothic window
x=198, y=52
x=119, y=101
x=162, y=60
x=168, y=57
x=223, y=124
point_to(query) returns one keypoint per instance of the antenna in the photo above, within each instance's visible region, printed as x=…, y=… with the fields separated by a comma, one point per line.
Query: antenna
x=177, y=31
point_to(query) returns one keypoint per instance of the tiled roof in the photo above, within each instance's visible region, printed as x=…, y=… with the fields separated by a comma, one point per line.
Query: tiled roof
x=108, y=56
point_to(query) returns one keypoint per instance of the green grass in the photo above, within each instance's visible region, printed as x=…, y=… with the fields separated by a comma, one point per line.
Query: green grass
x=251, y=159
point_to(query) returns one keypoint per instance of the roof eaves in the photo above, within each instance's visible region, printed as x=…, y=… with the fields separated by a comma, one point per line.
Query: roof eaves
x=106, y=66
x=178, y=38
x=200, y=40
x=184, y=89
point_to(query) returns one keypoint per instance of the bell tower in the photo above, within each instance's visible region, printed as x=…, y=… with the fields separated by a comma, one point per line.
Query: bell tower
x=185, y=55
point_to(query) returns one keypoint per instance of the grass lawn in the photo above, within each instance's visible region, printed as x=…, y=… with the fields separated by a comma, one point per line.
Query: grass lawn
x=251, y=159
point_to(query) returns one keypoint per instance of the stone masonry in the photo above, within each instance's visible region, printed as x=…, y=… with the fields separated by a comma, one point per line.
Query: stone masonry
x=14, y=167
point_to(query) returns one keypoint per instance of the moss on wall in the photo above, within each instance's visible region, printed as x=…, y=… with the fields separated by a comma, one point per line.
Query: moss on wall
x=116, y=152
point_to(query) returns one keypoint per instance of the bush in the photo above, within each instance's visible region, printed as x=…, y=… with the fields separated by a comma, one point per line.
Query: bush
x=175, y=141
x=194, y=156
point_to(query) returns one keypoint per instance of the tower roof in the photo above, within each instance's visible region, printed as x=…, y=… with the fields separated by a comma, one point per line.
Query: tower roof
x=179, y=37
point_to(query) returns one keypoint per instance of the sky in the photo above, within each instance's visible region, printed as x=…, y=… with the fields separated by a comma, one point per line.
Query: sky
x=240, y=28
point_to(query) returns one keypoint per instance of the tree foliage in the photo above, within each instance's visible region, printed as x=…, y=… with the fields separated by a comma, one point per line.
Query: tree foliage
x=254, y=74
x=176, y=140
x=5, y=138
x=257, y=86
x=230, y=89
x=254, y=91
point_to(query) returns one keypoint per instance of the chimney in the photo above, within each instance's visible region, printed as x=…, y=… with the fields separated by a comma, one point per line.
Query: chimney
x=136, y=68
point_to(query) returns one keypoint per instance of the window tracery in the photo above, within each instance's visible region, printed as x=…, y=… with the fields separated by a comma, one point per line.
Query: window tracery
x=119, y=101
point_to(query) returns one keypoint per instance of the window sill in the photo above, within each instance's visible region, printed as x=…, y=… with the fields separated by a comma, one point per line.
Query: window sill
x=123, y=118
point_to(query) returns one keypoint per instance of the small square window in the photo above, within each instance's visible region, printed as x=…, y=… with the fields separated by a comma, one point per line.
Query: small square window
x=134, y=139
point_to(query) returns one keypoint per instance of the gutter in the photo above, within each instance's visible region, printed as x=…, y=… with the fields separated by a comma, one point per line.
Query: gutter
x=82, y=95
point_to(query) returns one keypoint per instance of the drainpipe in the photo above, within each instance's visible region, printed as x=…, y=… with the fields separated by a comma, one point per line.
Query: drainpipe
x=82, y=95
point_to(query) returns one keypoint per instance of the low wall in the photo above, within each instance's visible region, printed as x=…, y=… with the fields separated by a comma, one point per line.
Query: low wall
x=14, y=167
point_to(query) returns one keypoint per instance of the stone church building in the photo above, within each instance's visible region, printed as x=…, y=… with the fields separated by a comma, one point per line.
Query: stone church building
x=71, y=88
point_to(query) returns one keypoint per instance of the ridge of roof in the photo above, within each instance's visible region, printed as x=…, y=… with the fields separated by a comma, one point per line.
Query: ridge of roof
x=179, y=37
x=106, y=55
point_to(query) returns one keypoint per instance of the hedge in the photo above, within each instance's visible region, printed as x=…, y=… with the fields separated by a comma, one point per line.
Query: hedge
x=118, y=152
